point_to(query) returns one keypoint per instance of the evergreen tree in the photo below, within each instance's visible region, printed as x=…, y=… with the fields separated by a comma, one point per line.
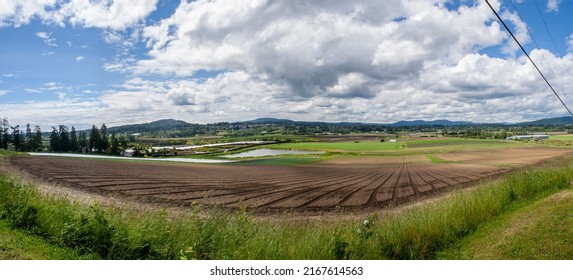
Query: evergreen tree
x=29, y=139
x=74, y=145
x=55, y=144
x=5, y=134
x=17, y=138
x=83, y=141
x=64, y=138
x=37, y=143
x=114, y=145
x=94, y=142
x=104, y=145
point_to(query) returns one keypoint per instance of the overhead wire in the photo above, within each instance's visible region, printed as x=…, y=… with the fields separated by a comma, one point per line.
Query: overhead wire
x=557, y=51
x=529, y=57
x=559, y=84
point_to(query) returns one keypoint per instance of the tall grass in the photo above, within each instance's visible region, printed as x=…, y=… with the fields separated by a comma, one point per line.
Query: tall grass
x=417, y=233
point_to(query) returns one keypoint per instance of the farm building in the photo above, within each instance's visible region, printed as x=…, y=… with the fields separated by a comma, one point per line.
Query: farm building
x=528, y=137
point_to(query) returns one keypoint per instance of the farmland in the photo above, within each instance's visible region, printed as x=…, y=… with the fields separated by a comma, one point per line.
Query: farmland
x=277, y=207
x=343, y=181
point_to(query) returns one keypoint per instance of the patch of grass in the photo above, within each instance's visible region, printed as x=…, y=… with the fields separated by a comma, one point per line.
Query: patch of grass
x=340, y=146
x=458, y=142
x=567, y=137
x=16, y=244
x=539, y=230
x=420, y=233
x=435, y=159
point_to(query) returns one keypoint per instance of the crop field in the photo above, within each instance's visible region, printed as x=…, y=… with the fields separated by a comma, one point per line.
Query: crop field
x=341, y=146
x=341, y=182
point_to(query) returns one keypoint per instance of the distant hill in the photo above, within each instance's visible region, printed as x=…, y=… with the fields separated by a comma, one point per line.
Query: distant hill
x=166, y=124
x=551, y=121
x=270, y=120
x=397, y=124
x=430, y=123
x=172, y=124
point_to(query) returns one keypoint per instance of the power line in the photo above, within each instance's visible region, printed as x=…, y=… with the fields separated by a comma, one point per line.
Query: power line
x=546, y=27
x=559, y=84
x=556, y=50
x=526, y=54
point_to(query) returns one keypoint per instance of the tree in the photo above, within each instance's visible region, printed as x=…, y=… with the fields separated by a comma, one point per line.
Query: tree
x=122, y=142
x=64, y=138
x=17, y=138
x=55, y=144
x=5, y=134
x=83, y=141
x=95, y=139
x=37, y=143
x=114, y=145
x=74, y=145
x=29, y=139
x=104, y=144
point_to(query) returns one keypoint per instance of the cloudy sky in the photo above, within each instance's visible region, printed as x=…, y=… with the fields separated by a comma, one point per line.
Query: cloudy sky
x=81, y=62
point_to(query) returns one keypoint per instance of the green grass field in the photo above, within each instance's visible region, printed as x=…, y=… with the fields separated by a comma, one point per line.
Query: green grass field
x=404, y=146
x=538, y=231
x=340, y=146
x=566, y=137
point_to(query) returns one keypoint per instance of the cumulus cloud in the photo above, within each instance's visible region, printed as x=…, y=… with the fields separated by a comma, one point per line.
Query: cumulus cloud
x=371, y=61
x=3, y=92
x=80, y=58
x=315, y=48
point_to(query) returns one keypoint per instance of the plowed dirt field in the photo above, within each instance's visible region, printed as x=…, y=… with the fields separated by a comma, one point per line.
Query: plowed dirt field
x=345, y=182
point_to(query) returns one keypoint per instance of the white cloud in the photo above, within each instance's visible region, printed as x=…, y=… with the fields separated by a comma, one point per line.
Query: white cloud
x=112, y=14
x=3, y=92
x=520, y=32
x=310, y=47
x=108, y=14
x=371, y=61
x=20, y=12
x=47, y=38
x=569, y=43
x=33, y=90
x=553, y=5
x=380, y=63
x=80, y=58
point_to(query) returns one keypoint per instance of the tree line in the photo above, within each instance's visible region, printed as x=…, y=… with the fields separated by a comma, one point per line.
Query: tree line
x=21, y=140
x=62, y=139
x=98, y=140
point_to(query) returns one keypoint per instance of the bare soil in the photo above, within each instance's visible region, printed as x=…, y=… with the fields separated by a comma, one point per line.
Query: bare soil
x=342, y=183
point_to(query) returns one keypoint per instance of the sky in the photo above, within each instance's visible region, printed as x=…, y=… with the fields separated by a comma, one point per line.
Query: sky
x=82, y=62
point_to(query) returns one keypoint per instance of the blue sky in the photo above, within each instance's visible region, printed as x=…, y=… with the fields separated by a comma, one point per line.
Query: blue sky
x=80, y=62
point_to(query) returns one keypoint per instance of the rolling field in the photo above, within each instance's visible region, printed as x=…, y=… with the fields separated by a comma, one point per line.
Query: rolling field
x=340, y=146
x=347, y=182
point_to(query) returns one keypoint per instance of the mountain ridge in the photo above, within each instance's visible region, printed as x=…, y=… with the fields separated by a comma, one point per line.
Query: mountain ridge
x=173, y=124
